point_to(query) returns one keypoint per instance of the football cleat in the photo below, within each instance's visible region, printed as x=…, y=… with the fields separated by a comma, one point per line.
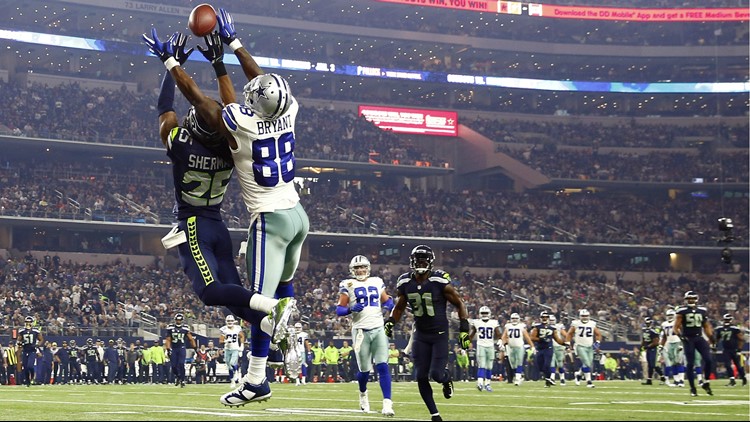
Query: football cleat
x=448, y=389
x=488, y=388
x=280, y=315
x=707, y=386
x=744, y=381
x=590, y=384
x=548, y=382
x=364, y=402
x=388, y=408
x=693, y=392
x=479, y=387
x=562, y=382
x=578, y=379
x=247, y=393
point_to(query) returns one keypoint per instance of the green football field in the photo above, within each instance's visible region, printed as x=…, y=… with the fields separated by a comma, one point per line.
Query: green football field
x=610, y=400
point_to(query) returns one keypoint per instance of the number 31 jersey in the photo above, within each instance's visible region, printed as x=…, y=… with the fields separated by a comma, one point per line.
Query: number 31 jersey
x=367, y=292
x=264, y=157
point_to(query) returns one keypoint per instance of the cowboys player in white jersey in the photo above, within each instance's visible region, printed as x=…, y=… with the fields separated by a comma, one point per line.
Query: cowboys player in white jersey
x=558, y=352
x=233, y=339
x=487, y=331
x=672, y=352
x=587, y=337
x=513, y=339
x=298, y=350
x=261, y=138
x=365, y=297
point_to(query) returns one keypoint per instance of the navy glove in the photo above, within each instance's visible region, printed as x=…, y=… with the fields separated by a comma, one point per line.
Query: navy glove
x=358, y=307
x=178, y=41
x=226, y=29
x=389, y=324
x=162, y=50
x=214, y=51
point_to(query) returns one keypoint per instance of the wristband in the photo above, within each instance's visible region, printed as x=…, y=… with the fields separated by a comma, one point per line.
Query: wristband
x=235, y=44
x=220, y=69
x=171, y=62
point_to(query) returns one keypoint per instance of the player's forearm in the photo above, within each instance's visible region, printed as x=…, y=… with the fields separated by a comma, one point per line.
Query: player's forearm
x=249, y=66
x=186, y=85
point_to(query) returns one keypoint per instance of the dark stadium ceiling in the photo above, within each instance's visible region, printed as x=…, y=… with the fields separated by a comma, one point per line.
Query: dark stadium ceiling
x=64, y=18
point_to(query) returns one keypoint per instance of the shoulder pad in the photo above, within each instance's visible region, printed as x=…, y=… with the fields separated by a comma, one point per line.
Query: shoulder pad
x=440, y=276
x=702, y=308
x=403, y=279
x=680, y=308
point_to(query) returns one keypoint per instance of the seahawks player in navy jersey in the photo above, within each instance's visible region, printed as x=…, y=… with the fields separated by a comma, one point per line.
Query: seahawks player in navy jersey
x=543, y=334
x=202, y=166
x=427, y=291
x=176, y=336
x=690, y=324
x=260, y=136
x=732, y=340
x=649, y=343
x=30, y=338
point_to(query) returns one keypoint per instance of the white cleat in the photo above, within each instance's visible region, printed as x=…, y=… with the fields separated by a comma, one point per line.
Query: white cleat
x=388, y=408
x=364, y=402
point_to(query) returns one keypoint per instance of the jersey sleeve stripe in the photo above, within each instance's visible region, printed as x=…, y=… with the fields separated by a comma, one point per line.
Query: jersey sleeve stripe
x=229, y=119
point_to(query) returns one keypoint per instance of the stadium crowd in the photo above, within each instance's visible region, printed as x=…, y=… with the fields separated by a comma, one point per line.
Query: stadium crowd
x=87, y=190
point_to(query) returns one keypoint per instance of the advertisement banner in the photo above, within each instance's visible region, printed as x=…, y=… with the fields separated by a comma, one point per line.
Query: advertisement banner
x=410, y=120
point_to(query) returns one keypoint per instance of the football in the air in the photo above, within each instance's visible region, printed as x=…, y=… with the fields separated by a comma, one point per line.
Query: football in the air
x=202, y=20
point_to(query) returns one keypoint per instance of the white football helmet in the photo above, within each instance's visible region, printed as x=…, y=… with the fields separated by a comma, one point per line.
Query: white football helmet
x=230, y=321
x=484, y=313
x=552, y=319
x=670, y=314
x=515, y=318
x=298, y=326
x=359, y=267
x=268, y=95
x=584, y=315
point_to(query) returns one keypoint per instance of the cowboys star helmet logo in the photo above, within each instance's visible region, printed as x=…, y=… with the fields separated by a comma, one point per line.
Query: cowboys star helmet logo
x=261, y=92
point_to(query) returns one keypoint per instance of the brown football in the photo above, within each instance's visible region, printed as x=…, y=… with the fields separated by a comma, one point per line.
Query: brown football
x=202, y=20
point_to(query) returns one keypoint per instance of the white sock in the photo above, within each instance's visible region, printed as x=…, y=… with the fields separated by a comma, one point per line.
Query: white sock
x=262, y=303
x=480, y=381
x=256, y=371
x=588, y=376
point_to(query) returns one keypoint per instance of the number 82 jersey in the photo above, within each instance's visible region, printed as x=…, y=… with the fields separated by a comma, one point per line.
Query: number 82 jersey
x=369, y=293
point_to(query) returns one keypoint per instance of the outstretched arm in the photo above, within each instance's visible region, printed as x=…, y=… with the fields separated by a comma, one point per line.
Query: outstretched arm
x=229, y=37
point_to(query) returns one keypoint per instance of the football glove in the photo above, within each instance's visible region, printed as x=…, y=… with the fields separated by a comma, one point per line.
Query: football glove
x=178, y=41
x=464, y=340
x=226, y=29
x=358, y=307
x=162, y=50
x=388, y=327
x=463, y=335
x=596, y=345
x=214, y=51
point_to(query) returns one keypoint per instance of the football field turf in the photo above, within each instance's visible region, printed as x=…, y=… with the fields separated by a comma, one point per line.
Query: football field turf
x=610, y=400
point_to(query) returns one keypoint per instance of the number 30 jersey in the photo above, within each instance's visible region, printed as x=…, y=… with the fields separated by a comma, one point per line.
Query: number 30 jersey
x=367, y=292
x=485, y=332
x=427, y=301
x=264, y=157
x=200, y=175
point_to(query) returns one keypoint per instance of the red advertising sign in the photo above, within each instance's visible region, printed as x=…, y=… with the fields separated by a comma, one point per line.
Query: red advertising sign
x=410, y=120
x=587, y=12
